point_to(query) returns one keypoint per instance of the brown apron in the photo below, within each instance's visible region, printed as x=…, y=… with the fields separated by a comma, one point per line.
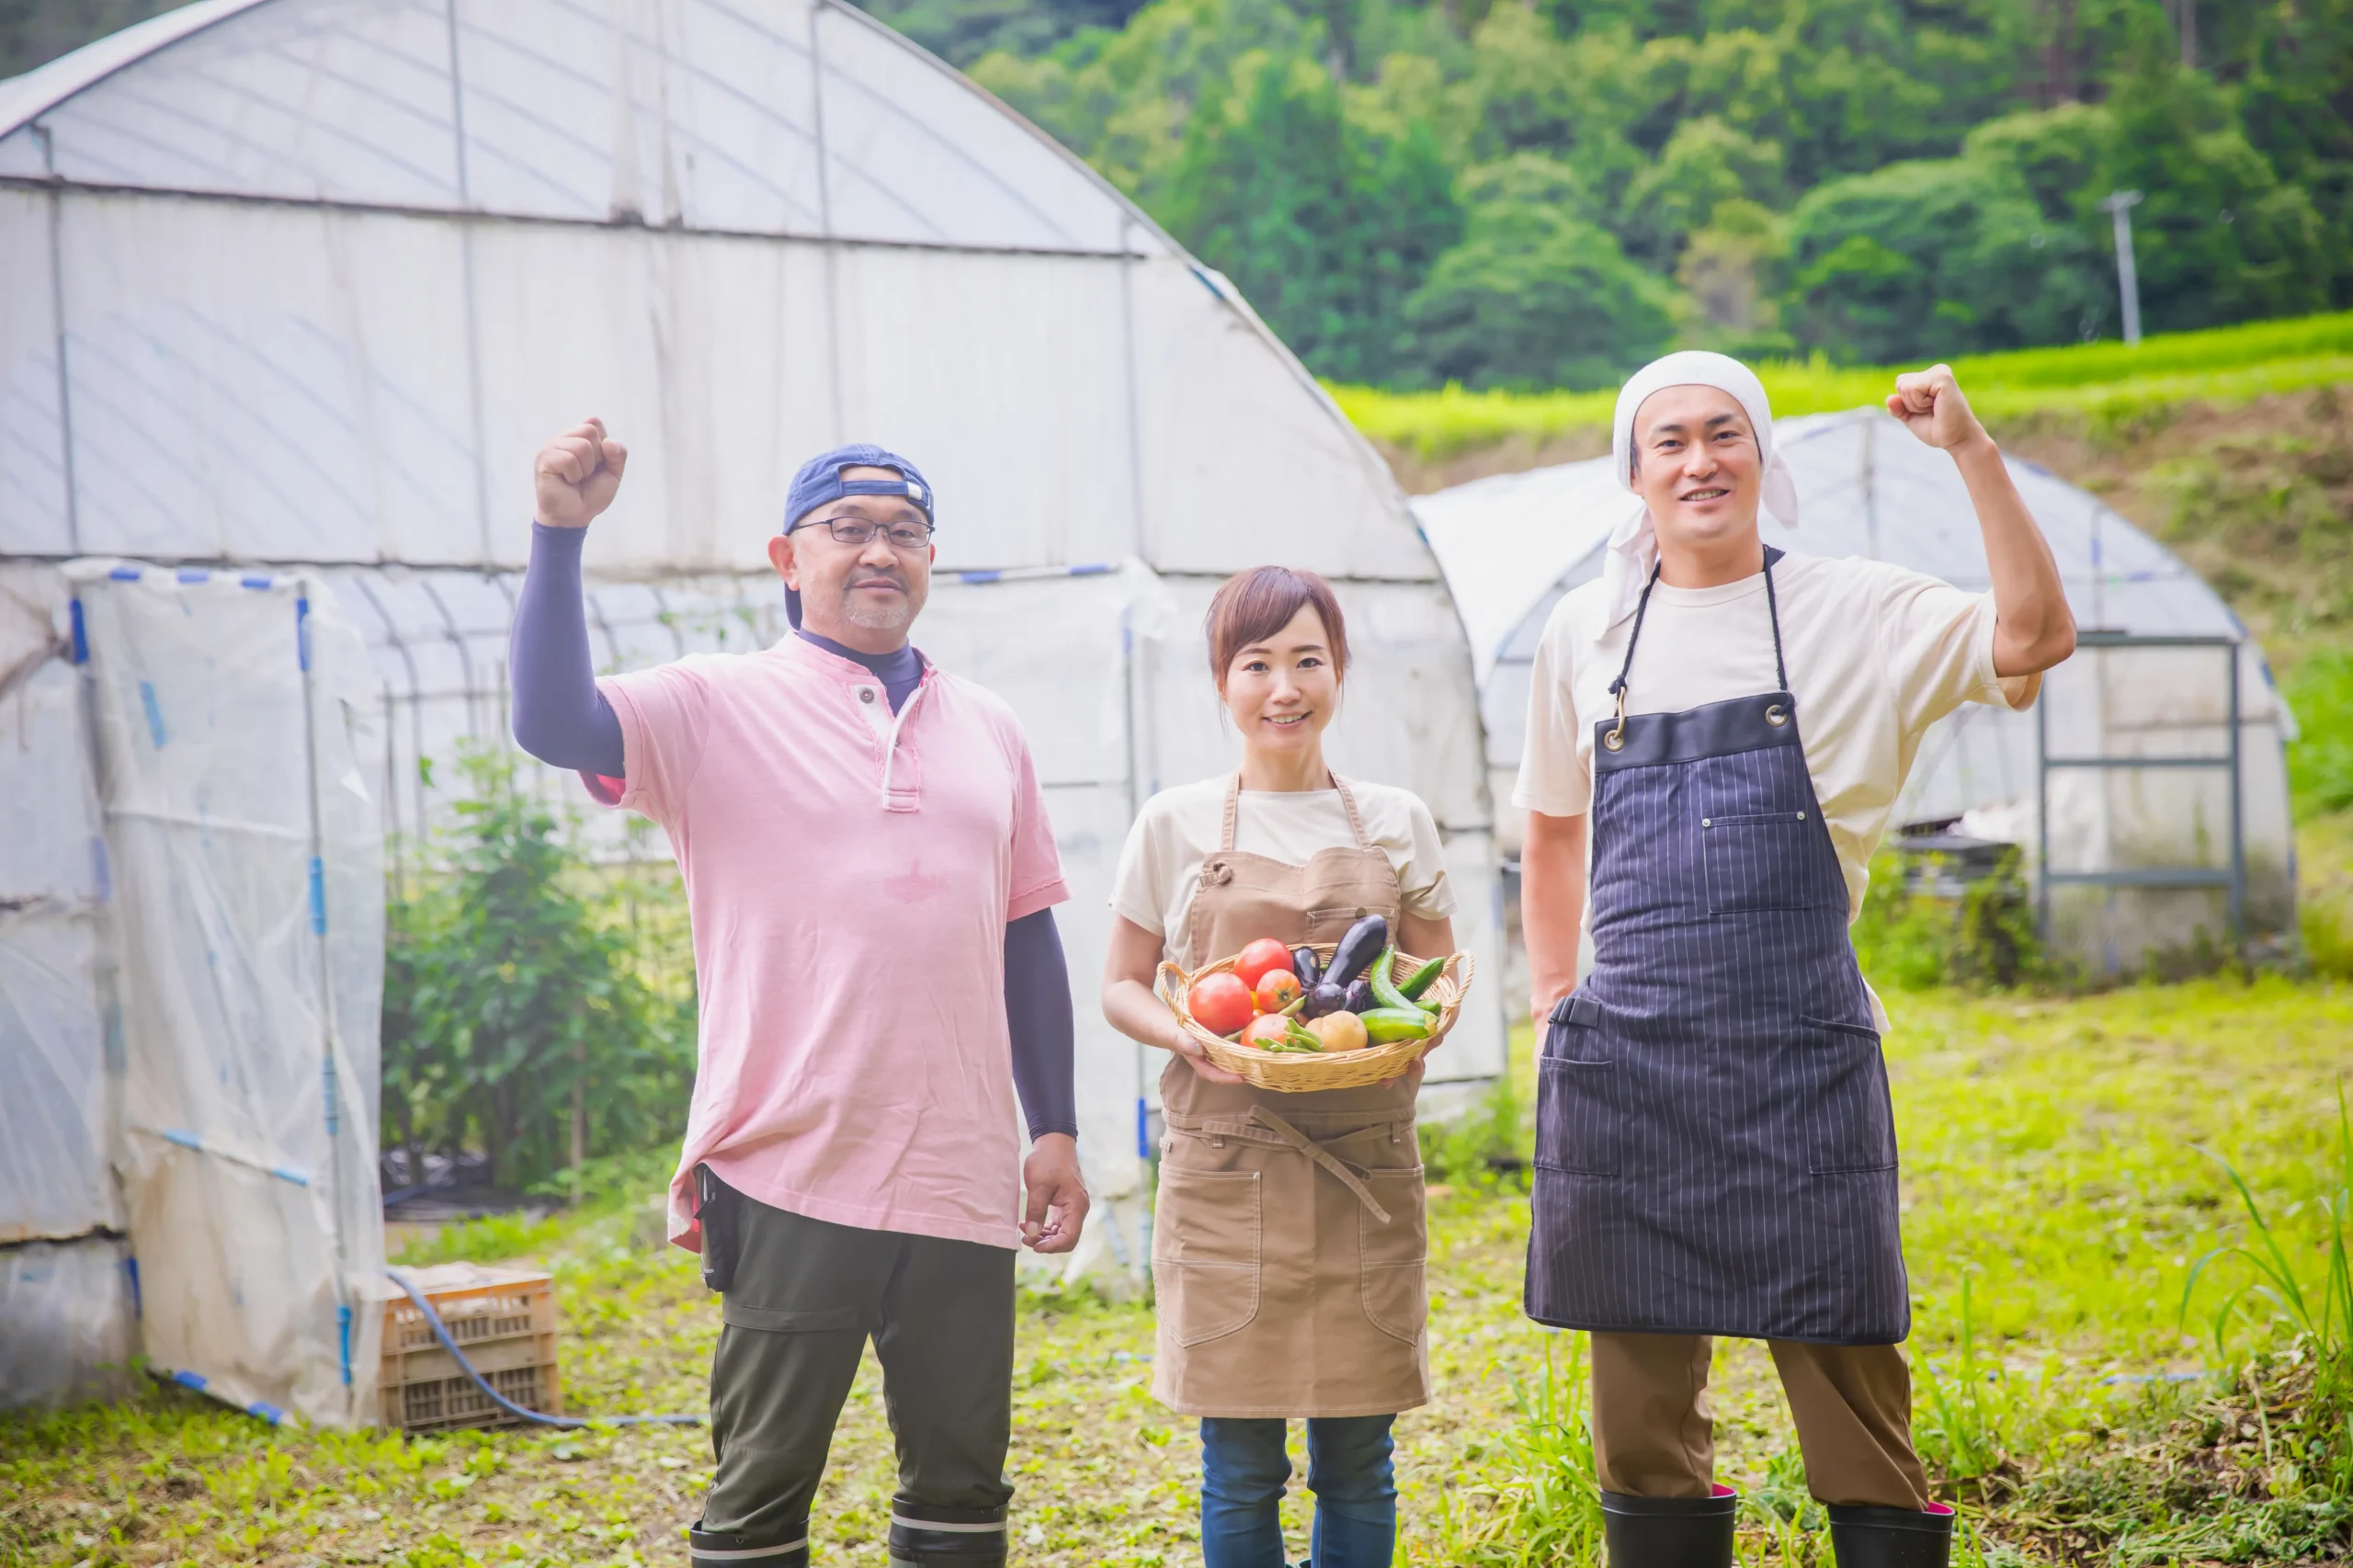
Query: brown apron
x=1288, y=1241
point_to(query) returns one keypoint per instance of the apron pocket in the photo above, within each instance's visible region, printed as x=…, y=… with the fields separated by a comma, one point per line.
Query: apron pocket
x=1765, y=861
x=1579, y=1122
x=1393, y=1259
x=1206, y=1236
x=1849, y=1124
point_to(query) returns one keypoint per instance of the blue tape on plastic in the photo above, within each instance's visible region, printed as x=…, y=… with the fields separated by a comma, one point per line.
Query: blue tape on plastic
x=267, y=1412
x=194, y=575
x=303, y=631
x=327, y=1095
x=258, y=580
x=154, y=712
x=1093, y=569
x=81, y=634
x=318, y=897
x=343, y=1332
x=138, y=1307
x=288, y=1173
x=979, y=576
x=125, y=573
x=184, y=1137
x=1143, y=1130
x=190, y=1379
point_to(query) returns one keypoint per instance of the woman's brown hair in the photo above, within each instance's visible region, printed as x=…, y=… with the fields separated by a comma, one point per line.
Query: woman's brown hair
x=1252, y=606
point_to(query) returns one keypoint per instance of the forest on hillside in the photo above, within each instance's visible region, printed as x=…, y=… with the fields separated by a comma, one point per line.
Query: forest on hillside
x=1542, y=193
x=1537, y=193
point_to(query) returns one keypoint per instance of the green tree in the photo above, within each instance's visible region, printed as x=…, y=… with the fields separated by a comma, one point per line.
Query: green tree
x=2219, y=237
x=1326, y=224
x=1536, y=296
x=1938, y=257
x=514, y=998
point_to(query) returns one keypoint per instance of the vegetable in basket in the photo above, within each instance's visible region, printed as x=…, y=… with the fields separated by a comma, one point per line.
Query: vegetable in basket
x=1304, y=964
x=1385, y=988
x=1278, y=989
x=1325, y=998
x=1363, y=943
x=1387, y=1024
x=1260, y=959
x=1414, y=984
x=1360, y=995
x=1220, y=1003
x=1342, y=1030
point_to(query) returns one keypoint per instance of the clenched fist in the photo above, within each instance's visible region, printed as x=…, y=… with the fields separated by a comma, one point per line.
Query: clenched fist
x=1930, y=405
x=577, y=474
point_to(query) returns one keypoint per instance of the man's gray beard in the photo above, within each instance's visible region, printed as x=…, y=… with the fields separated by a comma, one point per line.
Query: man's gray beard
x=878, y=617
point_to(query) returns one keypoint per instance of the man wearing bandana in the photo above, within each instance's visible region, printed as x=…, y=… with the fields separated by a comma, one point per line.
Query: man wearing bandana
x=1717, y=733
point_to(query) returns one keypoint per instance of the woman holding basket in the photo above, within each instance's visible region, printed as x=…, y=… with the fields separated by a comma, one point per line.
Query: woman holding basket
x=1289, y=1241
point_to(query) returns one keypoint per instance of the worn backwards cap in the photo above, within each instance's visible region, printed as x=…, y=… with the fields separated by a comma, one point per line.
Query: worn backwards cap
x=820, y=481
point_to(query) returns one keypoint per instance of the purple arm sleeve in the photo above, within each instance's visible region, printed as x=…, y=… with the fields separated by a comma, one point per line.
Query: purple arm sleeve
x=560, y=716
x=1037, y=1014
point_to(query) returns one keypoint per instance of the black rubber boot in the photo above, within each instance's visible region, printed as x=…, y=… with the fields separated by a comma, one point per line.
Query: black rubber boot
x=1891, y=1538
x=1669, y=1532
x=724, y=1548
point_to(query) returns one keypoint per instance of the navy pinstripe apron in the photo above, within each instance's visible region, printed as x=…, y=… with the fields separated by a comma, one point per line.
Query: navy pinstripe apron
x=1715, y=1153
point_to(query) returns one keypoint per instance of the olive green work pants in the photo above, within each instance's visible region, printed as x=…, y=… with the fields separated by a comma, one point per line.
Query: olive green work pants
x=1653, y=1433
x=805, y=1296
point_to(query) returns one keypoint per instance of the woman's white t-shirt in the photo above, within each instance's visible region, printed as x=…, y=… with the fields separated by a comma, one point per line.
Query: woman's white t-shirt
x=1179, y=828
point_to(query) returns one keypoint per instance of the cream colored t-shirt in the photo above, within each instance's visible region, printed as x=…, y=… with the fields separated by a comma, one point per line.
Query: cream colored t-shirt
x=1876, y=654
x=1179, y=828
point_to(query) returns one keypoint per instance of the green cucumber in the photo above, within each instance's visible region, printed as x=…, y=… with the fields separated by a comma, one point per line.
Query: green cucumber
x=1384, y=984
x=1387, y=1024
x=1419, y=982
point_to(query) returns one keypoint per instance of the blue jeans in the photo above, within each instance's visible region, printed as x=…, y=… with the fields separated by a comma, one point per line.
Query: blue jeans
x=1244, y=1468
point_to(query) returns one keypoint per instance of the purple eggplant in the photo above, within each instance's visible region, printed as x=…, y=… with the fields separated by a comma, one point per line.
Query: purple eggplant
x=1359, y=997
x=1357, y=951
x=1325, y=998
x=1303, y=964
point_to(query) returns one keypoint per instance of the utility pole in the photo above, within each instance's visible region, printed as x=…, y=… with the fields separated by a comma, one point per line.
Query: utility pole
x=2127, y=283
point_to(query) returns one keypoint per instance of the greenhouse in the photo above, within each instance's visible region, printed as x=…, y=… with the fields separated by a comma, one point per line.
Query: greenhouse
x=2153, y=768
x=297, y=289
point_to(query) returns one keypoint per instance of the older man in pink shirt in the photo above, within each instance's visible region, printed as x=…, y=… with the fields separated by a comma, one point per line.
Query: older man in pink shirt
x=868, y=868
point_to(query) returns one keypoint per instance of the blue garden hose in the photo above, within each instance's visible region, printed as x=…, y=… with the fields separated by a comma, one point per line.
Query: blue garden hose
x=441, y=1332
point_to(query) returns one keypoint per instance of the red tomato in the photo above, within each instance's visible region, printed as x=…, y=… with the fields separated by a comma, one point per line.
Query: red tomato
x=1219, y=1003
x=1263, y=1029
x=1260, y=956
x=1278, y=989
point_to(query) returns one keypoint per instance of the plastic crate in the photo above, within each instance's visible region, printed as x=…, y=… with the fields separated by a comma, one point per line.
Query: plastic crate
x=505, y=1321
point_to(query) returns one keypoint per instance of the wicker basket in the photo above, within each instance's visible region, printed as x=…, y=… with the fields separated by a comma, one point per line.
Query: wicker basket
x=1299, y=1072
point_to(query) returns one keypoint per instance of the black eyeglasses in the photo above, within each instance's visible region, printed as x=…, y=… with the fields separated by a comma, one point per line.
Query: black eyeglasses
x=858, y=530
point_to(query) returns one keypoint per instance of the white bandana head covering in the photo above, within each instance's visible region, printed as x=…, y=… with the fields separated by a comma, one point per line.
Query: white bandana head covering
x=1634, y=544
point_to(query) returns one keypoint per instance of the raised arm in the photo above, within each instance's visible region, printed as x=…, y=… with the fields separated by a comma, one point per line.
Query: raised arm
x=2033, y=627
x=560, y=717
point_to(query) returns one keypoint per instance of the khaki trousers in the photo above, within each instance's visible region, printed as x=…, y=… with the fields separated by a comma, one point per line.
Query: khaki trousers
x=1653, y=1435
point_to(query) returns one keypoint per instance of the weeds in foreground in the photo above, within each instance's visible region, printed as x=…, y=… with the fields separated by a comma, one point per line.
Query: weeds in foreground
x=2314, y=1451
x=1536, y=1501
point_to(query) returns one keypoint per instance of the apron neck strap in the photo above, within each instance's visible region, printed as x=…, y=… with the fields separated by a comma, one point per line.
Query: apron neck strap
x=1642, y=608
x=1349, y=804
x=1234, y=803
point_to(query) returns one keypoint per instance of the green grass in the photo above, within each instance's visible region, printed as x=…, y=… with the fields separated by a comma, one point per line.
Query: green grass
x=2056, y=1203
x=2226, y=367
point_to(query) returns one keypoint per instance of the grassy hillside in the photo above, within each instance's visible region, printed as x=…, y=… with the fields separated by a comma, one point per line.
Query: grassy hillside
x=2224, y=367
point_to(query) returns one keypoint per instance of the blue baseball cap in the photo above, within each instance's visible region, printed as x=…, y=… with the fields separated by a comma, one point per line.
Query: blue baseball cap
x=820, y=481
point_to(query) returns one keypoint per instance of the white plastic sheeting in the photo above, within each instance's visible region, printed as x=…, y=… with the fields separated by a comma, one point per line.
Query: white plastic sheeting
x=71, y=1311
x=1866, y=487
x=234, y=723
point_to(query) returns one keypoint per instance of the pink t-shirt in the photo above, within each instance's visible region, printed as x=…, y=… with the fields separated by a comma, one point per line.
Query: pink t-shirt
x=850, y=875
